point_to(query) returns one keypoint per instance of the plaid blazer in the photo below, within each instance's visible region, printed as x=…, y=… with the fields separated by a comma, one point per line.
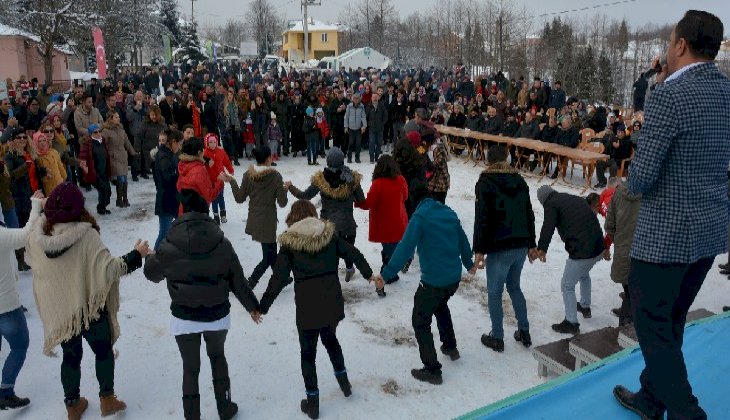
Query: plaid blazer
x=681, y=168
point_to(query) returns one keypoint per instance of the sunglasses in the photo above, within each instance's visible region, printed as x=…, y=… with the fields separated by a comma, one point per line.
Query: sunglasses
x=23, y=137
x=48, y=131
x=96, y=132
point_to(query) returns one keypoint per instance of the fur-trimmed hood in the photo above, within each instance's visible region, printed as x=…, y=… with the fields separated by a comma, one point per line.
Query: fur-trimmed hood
x=342, y=192
x=310, y=235
x=257, y=173
x=189, y=158
x=500, y=168
x=62, y=238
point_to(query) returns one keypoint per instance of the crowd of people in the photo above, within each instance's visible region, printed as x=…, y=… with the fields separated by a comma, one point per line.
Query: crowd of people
x=191, y=141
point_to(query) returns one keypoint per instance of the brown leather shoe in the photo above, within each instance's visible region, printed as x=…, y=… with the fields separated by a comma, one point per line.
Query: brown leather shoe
x=111, y=405
x=77, y=409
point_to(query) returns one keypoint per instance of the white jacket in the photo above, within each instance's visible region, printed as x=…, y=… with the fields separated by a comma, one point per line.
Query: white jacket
x=10, y=240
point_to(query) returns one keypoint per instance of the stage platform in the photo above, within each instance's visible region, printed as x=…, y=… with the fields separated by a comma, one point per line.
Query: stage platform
x=587, y=393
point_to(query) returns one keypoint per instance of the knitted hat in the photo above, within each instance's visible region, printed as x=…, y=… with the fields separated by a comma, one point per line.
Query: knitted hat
x=414, y=138
x=310, y=111
x=273, y=115
x=211, y=136
x=65, y=204
x=335, y=158
x=93, y=127
x=543, y=193
x=319, y=110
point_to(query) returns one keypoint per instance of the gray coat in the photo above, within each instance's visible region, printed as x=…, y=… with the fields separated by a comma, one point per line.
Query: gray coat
x=265, y=187
x=337, y=202
x=355, y=117
x=623, y=211
x=135, y=118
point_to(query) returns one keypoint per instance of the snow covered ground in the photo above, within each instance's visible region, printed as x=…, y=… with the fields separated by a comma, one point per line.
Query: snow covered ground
x=377, y=338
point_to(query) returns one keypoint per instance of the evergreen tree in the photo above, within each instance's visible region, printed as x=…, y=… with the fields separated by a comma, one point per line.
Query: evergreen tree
x=606, y=89
x=170, y=18
x=585, y=71
x=192, y=52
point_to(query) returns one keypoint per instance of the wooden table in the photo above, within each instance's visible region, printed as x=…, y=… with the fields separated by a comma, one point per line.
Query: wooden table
x=547, y=150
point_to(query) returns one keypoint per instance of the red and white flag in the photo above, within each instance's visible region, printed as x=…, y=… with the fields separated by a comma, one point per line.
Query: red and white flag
x=100, y=52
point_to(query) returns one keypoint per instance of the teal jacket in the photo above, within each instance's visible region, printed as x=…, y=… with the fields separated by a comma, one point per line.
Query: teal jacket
x=443, y=247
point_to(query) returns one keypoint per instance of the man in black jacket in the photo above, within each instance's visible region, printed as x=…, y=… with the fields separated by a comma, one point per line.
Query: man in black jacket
x=619, y=148
x=578, y=227
x=504, y=230
x=337, y=109
x=201, y=268
x=568, y=137
x=377, y=116
x=494, y=122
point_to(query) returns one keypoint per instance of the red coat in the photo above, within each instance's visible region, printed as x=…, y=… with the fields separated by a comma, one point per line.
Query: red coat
x=324, y=128
x=386, y=202
x=248, y=136
x=605, y=200
x=193, y=175
x=220, y=160
x=86, y=154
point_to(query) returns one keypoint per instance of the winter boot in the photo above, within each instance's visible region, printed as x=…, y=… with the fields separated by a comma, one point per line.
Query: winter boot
x=125, y=198
x=345, y=385
x=223, y=217
x=585, y=311
x=20, y=256
x=567, y=327
x=453, y=354
x=191, y=407
x=120, y=202
x=349, y=274
x=8, y=399
x=523, y=336
x=433, y=377
x=226, y=408
x=310, y=406
x=496, y=344
x=76, y=408
x=217, y=219
x=111, y=405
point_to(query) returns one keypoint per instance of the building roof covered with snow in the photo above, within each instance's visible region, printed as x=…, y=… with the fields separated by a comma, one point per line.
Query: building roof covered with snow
x=312, y=26
x=6, y=30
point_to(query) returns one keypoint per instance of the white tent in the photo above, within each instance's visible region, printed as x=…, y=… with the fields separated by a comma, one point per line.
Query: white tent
x=364, y=58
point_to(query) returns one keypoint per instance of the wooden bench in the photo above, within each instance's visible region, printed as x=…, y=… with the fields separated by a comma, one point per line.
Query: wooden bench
x=594, y=346
x=627, y=335
x=554, y=358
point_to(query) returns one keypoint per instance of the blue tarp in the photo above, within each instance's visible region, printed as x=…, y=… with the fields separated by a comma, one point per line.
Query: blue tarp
x=589, y=392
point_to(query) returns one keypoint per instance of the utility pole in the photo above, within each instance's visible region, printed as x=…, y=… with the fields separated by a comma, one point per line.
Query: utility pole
x=305, y=4
x=192, y=11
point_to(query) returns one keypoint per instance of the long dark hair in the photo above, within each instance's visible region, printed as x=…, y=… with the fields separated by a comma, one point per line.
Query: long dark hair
x=84, y=217
x=386, y=168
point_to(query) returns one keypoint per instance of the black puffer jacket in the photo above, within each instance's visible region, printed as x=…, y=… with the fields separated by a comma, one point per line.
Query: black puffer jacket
x=201, y=268
x=311, y=250
x=337, y=198
x=20, y=188
x=577, y=226
x=503, y=216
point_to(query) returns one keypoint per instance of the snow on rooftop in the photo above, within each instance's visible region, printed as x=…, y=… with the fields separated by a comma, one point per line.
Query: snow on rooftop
x=6, y=30
x=312, y=26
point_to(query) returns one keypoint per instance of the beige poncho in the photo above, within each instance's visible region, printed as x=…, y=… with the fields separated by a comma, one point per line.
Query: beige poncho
x=74, y=277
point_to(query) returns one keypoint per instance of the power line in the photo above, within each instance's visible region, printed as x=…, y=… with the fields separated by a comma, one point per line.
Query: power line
x=583, y=9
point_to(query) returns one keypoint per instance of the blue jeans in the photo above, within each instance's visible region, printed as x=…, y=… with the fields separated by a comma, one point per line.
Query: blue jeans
x=312, y=150
x=505, y=268
x=219, y=203
x=11, y=219
x=577, y=271
x=121, y=179
x=14, y=330
x=165, y=223
x=376, y=142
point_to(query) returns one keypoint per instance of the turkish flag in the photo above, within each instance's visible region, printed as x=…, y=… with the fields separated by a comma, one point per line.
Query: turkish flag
x=100, y=52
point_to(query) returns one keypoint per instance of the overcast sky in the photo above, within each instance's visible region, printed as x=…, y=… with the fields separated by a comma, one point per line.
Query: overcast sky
x=637, y=12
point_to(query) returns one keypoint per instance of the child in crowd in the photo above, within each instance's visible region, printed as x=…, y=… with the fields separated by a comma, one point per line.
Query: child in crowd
x=248, y=136
x=274, y=136
x=216, y=161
